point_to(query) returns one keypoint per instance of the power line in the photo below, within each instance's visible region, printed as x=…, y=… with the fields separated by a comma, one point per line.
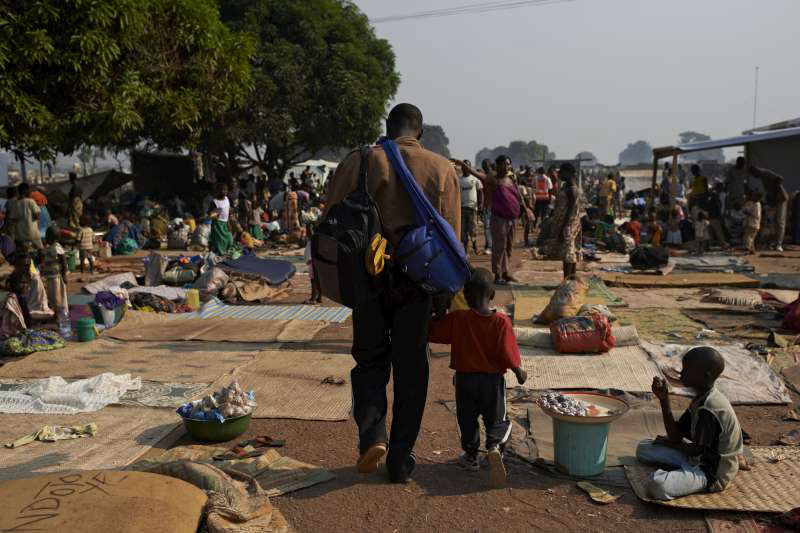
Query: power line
x=484, y=7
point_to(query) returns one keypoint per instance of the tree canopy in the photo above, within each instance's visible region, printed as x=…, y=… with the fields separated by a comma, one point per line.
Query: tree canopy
x=706, y=155
x=114, y=72
x=435, y=140
x=521, y=153
x=636, y=154
x=322, y=81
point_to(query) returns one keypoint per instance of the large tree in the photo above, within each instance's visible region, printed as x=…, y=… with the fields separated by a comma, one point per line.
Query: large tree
x=521, y=153
x=706, y=155
x=115, y=72
x=322, y=81
x=435, y=140
x=636, y=154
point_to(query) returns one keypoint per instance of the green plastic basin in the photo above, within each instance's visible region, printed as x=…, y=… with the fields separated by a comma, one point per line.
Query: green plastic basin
x=213, y=431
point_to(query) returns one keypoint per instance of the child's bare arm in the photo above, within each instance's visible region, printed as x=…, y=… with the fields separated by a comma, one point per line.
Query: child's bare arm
x=674, y=434
x=522, y=376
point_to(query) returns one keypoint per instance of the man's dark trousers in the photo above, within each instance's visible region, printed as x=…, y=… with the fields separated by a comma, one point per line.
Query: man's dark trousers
x=390, y=337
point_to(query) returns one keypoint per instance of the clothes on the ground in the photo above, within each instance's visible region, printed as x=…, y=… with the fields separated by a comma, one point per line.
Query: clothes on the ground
x=469, y=223
x=390, y=339
x=86, y=238
x=502, y=244
x=435, y=175
x=670, y=484
x=470, y=185
x=482, y=395
x=220, y=239
x=484, y=344
x=54, y=433
x=224, y=207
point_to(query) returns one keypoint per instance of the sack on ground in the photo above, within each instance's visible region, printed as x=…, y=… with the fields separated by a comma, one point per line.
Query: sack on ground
x=566, y=301
x=647, y=257
x=582, y=334
x=597, y=309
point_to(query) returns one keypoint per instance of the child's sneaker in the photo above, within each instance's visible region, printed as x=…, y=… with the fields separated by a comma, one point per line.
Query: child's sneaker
x=469, y=462
x=497, y=470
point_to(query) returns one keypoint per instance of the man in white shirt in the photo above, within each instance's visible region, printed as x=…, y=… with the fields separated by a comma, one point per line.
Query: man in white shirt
x=471, y=198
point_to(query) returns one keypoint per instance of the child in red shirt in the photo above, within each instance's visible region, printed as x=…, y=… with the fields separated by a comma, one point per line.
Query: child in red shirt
x=483, y=348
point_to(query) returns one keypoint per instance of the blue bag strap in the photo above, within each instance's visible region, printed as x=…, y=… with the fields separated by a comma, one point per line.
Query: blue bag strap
x=418, y=198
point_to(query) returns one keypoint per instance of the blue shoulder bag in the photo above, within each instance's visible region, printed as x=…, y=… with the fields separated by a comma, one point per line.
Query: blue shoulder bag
x=429, y=253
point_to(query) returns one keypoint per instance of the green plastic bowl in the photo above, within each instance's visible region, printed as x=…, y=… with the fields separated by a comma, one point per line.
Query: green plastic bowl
x=213, y=431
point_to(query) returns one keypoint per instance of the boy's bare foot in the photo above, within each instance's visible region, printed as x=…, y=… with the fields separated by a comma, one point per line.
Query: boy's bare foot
x=310, y=301
x=497, y=470
x=368, y=462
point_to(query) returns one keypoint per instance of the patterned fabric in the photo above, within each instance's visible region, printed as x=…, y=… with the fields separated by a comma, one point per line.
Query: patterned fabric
x=30, y=341
x=565, y=247
x=75, y=211
x=216, y=309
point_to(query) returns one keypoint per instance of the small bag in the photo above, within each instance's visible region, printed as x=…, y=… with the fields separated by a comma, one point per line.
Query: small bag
x=430, y=254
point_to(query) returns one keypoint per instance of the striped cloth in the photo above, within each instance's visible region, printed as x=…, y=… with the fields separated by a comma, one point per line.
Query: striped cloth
x=216, y=309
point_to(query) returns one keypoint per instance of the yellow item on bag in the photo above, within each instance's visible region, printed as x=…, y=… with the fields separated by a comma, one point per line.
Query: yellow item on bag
x=459, y=302
x=376, y=255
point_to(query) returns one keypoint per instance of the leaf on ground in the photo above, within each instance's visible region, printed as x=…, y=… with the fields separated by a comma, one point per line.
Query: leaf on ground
x=596, y=493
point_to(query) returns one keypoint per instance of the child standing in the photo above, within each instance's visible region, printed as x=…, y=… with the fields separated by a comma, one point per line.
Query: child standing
x=711, y=458
x=483, y=349
x=701, y=232
x=752, y=222
x=54, y=273
x=86, y=244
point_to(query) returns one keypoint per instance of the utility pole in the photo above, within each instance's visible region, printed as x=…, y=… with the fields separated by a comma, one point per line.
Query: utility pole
x=755, y=99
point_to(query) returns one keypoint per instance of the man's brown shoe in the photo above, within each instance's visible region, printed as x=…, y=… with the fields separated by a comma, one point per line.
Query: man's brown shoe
x=368, y=462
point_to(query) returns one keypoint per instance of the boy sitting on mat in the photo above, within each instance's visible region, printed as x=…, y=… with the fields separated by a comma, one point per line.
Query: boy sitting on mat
x=483, y=349
x=704, y=446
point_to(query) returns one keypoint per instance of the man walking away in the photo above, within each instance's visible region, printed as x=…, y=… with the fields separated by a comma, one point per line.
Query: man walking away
x=390, y=329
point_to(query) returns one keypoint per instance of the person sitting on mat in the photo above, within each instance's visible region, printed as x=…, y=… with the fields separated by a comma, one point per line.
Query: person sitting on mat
x=484, y=347
x=703, y=448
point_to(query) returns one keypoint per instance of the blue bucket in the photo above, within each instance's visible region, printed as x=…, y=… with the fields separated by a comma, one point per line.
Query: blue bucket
x=581, y=442
x=581, y=449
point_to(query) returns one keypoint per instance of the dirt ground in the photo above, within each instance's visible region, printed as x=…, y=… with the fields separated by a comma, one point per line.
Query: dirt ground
x=441, y=497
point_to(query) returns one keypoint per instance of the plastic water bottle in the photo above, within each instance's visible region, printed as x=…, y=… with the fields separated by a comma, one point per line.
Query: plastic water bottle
x=64, y=327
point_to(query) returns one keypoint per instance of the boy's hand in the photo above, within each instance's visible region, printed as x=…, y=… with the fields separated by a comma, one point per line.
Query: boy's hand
x=660, y=388
x=522, y=376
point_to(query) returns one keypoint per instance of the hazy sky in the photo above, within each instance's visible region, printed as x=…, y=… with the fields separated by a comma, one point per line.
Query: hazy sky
x=596, y=74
